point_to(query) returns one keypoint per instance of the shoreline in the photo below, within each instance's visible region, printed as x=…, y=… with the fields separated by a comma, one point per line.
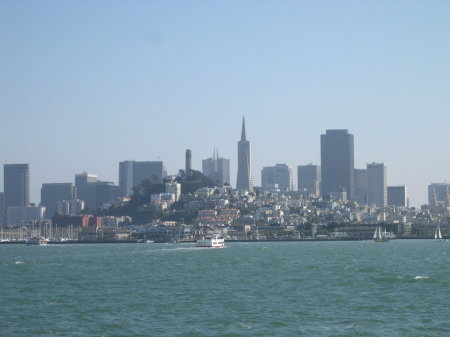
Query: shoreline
x=227, y=241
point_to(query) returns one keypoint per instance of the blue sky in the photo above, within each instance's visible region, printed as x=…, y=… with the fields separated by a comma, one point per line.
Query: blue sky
x=86, y=84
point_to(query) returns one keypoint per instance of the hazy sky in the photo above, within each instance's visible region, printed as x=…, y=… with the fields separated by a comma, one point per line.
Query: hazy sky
x=86, y=84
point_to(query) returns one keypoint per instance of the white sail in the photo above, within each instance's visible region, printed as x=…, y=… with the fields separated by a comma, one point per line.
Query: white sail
x=375, y=234
x=439, y=232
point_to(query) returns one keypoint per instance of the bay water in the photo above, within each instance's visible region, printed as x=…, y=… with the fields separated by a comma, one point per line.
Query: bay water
x=358, y=288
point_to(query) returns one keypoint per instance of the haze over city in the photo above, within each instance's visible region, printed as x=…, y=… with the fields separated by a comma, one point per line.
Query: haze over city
x=84, y=86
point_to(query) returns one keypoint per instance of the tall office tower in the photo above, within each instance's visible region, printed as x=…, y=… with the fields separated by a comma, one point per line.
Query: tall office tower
x=84, y=178
x=439, y=195
x=308, y=177
x=52, y=193
x=396, y=196
x=244, y=175
x=105, y=192
x=1, y=206
x=376, y=185
x=126, y=178
x=337, y=161
x=85, y=184
x=278, y=176
x=360, y=186
x=132, y=173
x=16, y=185
x=188, y=161
x=217, y=168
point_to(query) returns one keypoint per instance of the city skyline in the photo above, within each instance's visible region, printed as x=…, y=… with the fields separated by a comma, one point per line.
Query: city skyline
x=82, y=90
x=124, y=175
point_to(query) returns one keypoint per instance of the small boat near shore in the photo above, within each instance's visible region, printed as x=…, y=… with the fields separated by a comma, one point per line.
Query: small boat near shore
x=215, y=241
x=438, y=235
x=37, y=241
x=379, y=236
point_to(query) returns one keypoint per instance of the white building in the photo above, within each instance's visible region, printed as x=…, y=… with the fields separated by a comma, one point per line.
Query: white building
x=71, y=207
x=174, y=188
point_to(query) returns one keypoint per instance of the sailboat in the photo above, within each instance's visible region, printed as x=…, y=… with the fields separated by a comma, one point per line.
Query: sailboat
x=378, y=236
x=438, y=235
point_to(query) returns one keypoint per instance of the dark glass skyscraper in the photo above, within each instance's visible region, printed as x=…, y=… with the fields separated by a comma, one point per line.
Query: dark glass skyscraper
x=337, y=162
x=244, y=176
x=17, y=185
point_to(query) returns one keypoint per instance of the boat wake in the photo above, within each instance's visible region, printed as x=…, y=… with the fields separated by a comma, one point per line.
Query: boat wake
x=420, y=277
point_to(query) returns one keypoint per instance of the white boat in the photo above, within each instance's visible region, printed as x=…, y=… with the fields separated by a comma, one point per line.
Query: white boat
x=379, y=236
x=215, y=241
x=37, y=240
x=438, y=235
x=149, y=241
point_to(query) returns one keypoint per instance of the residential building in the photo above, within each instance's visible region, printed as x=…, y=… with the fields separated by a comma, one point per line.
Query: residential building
x=174, y=188
x=337, y=162
x=278, y=176
x=244, y=174
x=377, y=184
x=51, y=193
x=396, y=196
x=308, y=178
x=217, y=168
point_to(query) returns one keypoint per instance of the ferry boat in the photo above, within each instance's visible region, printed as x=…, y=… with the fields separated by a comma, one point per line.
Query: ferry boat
x=215, y=241
x=37, y=240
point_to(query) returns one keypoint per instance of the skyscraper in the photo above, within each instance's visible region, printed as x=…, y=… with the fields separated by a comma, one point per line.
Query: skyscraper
x=244, y=174
x=360, y=186
x=278, y=176
x=16, y=185
x=396, y=196
x=439, y=194
x=126, y=178
x=217, y=168
x=1, y=207
x=376, y=185
x=308, y=177
x=188, y=161
x=132, y=173
x=85, y=184
x=52, y=193
x=337, y=161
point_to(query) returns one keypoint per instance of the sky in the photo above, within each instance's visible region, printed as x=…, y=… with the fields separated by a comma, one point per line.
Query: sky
x=87, y=84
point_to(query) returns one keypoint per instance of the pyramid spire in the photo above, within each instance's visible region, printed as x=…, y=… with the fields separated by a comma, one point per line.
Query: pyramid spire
x=243, y=136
